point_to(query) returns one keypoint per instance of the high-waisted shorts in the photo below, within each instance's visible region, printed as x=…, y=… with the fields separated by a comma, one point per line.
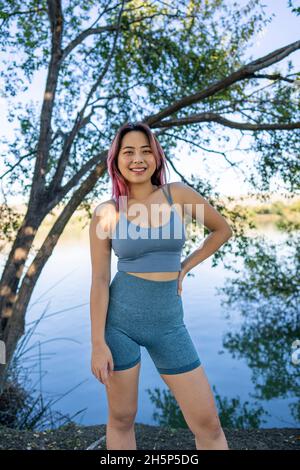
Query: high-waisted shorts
x=143, y=312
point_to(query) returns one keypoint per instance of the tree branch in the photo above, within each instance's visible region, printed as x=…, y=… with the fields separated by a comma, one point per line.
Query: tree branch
x=209, y=117
x=74, y=180
x=43, y=146
x=275, y=76
x=245, y=72
x=103, y=29
x=6, y=16
x=232, y=164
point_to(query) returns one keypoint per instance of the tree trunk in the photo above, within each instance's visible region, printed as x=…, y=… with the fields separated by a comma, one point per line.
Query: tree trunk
x=14, y=328
x=15, y=263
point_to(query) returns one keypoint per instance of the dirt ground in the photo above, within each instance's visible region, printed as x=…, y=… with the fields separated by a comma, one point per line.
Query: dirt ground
x=73, y=436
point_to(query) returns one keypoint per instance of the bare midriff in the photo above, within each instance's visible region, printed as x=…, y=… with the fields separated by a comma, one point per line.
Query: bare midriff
x=157, y=276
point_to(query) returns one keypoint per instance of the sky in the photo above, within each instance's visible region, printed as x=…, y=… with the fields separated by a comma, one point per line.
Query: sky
x=283, y=29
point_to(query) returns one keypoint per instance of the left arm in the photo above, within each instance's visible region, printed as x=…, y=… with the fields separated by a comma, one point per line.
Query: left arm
x=213, y=220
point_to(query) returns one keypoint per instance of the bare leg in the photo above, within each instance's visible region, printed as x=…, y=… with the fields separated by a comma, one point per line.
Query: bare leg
x=217, y=442
x=196, y=401
x=120, y=437
x=122, y=397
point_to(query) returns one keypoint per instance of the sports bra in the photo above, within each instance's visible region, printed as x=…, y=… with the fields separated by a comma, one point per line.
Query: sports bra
x=149, y=249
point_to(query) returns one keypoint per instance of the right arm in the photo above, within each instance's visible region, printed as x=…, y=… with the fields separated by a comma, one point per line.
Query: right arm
x=100, y=251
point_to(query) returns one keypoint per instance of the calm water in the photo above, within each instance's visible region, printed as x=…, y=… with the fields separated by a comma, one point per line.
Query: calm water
x=64, y=287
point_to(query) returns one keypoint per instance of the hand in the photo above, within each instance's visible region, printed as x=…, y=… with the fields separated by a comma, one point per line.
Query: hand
x=102, y=363
x=181, y=275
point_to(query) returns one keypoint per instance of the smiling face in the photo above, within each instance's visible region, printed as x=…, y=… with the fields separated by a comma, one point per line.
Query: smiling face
x=135, y=152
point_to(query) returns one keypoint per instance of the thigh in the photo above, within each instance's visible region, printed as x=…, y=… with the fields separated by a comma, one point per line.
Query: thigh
x=122, y=393
x=126, y=352
x=122, y=389
x=172, y=348
x=167, y=339
x=125, y=348
x=195, y=398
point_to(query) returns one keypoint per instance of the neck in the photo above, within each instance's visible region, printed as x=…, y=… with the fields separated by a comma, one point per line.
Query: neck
x=140, y=192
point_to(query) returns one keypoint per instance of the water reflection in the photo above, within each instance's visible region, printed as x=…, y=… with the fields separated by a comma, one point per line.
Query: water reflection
x=232, y=412
x=266, y=295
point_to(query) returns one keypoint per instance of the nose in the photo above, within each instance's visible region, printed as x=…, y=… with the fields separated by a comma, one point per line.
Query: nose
x=138, y=159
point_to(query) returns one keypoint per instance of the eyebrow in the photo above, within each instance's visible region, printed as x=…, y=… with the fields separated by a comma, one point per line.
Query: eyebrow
x=130, y=147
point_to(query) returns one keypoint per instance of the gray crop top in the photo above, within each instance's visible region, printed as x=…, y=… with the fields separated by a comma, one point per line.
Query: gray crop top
x=149, y=249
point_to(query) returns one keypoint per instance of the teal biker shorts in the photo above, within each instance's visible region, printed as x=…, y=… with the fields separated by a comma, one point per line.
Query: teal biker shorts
x=148, y=313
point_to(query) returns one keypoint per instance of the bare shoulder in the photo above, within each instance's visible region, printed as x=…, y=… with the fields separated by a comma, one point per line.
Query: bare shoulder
x=183, y=193
x=105, y=214
x=109, y=205
x=198, y=207
x=180, y=191
x=176, y=186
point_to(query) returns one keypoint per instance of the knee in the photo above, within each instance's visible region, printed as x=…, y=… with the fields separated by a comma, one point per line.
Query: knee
x=122, y=420
x=210, y=428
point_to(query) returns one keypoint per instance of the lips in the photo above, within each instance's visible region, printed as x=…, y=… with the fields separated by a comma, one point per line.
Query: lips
x=138, y=169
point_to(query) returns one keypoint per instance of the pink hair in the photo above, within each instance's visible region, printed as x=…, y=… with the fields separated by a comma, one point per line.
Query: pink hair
x=119, y=184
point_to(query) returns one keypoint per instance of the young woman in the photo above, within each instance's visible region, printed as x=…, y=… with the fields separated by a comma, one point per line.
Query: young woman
x=142, y=306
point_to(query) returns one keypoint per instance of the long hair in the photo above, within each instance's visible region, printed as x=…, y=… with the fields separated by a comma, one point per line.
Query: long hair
x=119, y=183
